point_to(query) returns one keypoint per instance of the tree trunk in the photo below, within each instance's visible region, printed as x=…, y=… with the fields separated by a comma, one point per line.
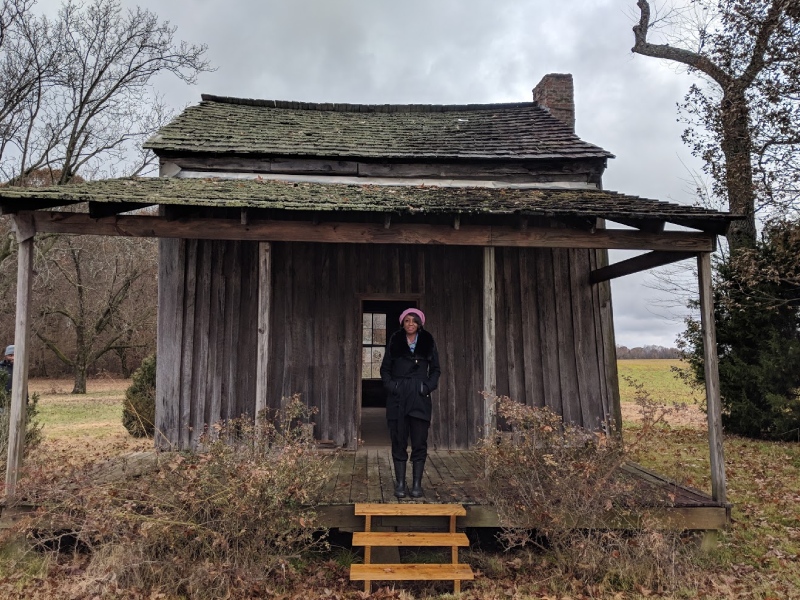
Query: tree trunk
x=736, y=145
x=734, y=113
x=122, y=353
x=80, y=381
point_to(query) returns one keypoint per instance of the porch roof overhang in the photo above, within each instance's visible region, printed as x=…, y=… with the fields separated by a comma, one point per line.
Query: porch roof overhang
x=270, y=210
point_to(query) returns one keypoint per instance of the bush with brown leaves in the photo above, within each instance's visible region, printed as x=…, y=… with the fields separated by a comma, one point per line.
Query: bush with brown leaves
x=564, y=489
x=215, y=523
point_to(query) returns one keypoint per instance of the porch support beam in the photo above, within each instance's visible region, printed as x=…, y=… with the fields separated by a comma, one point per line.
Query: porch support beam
x=637, y=264
x=489, y=355
x=711, y=362
x=372, y=233
x=22, y=333
x=264, y=311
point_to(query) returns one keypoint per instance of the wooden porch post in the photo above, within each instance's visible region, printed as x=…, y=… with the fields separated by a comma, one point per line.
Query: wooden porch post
x=264, y=298
x=489, y=362
x=19, y=392
x=711, y=361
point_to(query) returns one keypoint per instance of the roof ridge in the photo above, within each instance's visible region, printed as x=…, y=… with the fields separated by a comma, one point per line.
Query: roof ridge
x=366, y=108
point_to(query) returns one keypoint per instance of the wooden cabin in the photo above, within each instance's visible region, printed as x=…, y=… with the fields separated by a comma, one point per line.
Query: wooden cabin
x=293, y=234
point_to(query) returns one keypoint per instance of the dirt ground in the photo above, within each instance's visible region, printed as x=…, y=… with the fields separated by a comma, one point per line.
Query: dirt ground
x=689, y=415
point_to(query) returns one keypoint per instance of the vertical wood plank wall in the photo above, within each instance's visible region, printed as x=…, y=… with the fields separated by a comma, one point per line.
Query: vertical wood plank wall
x=207, y=323
x=316, y=320
x=554, y=339
x=551, y=334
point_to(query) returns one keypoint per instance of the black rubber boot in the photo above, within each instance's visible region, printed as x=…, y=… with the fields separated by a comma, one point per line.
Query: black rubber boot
x=400, y=489
x=418, y=467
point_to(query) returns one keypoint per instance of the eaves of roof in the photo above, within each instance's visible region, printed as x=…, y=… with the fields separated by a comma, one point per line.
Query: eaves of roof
x=343, y=199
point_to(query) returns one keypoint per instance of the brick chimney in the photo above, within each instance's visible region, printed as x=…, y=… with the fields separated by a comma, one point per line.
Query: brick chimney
x=555, y=93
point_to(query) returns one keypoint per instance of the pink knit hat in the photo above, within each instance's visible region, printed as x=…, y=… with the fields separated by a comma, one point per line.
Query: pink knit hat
x=415, y=311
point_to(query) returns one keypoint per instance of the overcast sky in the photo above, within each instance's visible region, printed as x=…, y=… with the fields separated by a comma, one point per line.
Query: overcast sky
x=465, y=51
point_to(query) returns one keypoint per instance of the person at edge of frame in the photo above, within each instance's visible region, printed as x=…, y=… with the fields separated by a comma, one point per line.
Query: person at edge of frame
x=7, y=365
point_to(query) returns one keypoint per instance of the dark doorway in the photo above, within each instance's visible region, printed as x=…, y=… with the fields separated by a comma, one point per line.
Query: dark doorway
x=380, y=319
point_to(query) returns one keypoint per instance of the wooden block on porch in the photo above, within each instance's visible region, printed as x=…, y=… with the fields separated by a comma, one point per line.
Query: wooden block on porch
x=391, y=538
x=410, y=510
x=409, y=572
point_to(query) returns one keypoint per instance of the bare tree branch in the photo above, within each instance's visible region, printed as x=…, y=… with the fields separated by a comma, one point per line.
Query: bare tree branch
x=667, y=52
x=77, y=93
x=746, y=122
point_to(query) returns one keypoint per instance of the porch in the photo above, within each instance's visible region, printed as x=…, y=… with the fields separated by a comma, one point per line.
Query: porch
x=451, y=477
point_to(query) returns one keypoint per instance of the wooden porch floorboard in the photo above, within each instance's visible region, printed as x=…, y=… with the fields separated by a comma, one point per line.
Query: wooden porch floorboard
x=367, y=475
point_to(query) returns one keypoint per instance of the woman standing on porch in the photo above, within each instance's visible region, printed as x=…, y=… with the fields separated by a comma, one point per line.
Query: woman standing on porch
x=410, y=372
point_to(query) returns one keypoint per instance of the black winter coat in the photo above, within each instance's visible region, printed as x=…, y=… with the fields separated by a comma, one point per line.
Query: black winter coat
x=409, y=378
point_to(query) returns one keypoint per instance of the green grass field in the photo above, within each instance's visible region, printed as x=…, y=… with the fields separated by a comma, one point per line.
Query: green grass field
x=659, y=379
x=95, y=414
x=68, y=417
x=98, y=413
x=87, y=424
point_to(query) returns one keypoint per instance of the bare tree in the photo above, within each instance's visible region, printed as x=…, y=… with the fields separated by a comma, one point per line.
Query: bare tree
x=11, y=11
x=104, y=96
x=29, y=58
x=76, y=98
x=76, y=93
x=6, y=239
x=93, y=295
x=744, y=113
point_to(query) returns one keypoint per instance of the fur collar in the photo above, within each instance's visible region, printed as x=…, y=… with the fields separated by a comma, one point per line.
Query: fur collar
x=398, y=345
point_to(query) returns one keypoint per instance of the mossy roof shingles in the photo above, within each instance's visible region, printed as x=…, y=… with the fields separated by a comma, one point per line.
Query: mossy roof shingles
x=289, y=196
x=221, y=125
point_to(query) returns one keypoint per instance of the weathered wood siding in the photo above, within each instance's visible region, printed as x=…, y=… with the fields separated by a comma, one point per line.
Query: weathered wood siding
x=588, y=170
x=554, y=340
x=207, y=323
x=551, y=335
x=316, y=320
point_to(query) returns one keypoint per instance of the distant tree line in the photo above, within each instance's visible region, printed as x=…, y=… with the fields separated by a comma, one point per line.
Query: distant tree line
x=625, y=353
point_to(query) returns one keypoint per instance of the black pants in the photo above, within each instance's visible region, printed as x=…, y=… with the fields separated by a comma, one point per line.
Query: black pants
x=417, y=430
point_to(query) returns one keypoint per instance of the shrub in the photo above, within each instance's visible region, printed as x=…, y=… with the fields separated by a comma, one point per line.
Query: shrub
x=139, y=406
x=33, y=428
x=561, y=488
x=217, y=523
x=757, y=317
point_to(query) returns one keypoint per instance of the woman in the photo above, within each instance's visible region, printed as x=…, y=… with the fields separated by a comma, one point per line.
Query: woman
x=410, y=372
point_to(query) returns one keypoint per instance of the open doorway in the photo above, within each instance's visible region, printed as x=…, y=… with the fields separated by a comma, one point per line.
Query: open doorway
x=380, y=318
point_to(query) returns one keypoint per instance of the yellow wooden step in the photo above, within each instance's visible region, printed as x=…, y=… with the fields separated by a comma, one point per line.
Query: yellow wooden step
x=390, y=538
x=410, y=572
x=410, y=510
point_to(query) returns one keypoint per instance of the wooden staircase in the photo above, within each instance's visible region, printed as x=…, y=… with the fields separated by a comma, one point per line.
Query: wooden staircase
x=369, y=572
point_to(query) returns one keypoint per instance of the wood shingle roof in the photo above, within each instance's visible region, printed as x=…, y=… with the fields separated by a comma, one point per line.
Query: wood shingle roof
x=341, y=198
x=222, y=125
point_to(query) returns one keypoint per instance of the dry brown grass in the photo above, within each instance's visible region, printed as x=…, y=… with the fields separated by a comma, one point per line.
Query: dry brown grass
x=58, y=387
x=689, y=416
x=80, y=428
x=758, y=558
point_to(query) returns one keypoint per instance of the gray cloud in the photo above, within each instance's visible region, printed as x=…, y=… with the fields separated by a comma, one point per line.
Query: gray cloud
x=448, y=51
